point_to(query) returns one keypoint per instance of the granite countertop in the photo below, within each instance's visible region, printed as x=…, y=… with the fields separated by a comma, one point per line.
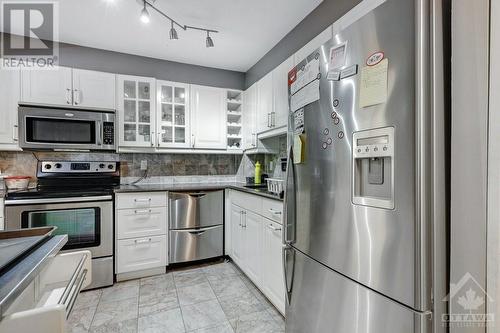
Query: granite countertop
x=194, y=186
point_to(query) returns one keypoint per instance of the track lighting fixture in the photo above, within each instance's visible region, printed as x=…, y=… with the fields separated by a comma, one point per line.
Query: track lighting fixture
x=145, y=17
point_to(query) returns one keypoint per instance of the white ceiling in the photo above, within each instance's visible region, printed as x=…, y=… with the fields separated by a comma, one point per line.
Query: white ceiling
x=248, y=28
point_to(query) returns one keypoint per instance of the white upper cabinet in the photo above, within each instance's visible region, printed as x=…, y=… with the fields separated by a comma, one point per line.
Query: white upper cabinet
x=280, y=92
x=136, y=110
x=9, y=99
x=173, y=114
x=264, y=103
x=208, y=116
x=316, y=42
x=69, y=87
x=53, y=87
x=249, y=117
x=92, y=89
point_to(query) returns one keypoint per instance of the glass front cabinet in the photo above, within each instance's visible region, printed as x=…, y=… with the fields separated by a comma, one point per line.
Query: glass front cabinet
x=136, y=111
x=173, y=114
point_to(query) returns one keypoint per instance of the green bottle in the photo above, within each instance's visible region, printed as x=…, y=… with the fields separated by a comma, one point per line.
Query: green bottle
x=258, y=172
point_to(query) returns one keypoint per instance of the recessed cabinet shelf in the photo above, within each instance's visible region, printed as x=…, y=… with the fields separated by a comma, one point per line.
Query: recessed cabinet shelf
x=234, y=100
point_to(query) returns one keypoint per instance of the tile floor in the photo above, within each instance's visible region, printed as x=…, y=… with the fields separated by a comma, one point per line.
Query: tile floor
x=215, y=298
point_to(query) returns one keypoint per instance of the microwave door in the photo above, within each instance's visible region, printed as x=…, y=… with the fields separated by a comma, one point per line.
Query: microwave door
x=61, y=129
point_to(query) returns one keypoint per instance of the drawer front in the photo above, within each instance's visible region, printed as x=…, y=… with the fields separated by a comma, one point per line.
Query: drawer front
x=273, y=210
x=248, y=201
x=141, y=253
x=196, y=209
x=196, y=244
x=141, y=200
x=141, y=222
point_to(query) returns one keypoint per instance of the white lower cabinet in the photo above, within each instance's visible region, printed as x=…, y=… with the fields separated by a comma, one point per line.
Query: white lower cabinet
x=141, y=253
x=256, y=245
x=141, y=222
x=272, y=264
x=141, y=242
x=253, y=253
x=237, y=246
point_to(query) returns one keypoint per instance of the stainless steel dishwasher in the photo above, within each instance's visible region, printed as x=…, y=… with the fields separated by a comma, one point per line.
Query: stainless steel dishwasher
x=196, y=225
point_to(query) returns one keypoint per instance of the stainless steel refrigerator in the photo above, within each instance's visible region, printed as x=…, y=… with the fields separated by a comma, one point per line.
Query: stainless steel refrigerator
x=365, y=228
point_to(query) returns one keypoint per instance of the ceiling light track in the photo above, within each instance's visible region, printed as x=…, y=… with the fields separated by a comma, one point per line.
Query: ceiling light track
x=145, y=17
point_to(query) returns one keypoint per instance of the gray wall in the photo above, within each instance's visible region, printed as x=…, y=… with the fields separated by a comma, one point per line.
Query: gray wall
x=121, y=63
x=318, y=20
x=97, y=59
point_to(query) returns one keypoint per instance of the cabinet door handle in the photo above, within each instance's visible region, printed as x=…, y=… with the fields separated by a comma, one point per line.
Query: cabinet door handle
x=76, y=95
x=194, y=139
x=68, y=96
x=269, y=120
x=15, y=133
x=273, y=119
x=152, y=139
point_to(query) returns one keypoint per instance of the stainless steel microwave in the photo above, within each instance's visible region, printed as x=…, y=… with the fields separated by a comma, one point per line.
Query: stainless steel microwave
x=66, y=129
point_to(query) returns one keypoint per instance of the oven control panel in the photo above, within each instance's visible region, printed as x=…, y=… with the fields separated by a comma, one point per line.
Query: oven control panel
x=78, y=167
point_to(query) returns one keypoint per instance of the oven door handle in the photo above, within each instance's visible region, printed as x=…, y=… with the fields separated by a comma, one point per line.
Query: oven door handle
x=57, y=200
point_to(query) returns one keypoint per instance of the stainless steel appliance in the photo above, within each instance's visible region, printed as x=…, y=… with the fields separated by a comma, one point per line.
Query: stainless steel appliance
x=196, y=225
x=77, y=197
x=66, y=129
x=365, y=227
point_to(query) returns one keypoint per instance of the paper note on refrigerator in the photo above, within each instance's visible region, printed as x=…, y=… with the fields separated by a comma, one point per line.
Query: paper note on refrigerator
x=298, y=149
x=306, y=95
x=373, y=86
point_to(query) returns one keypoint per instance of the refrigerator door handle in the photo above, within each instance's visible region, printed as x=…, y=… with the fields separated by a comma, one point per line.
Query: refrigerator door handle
x=288, y=278
x=289, y=202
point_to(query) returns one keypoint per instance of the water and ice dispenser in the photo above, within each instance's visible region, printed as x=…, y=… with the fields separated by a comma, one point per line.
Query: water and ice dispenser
x=373, y=168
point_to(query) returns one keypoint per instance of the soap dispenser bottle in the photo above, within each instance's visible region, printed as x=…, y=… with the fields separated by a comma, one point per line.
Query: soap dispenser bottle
x=258, y=173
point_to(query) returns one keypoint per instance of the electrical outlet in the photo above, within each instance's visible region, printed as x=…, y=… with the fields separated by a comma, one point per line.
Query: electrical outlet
x=144, y=165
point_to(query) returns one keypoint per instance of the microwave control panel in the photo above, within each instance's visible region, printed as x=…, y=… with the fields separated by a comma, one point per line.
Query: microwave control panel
x=108, y=137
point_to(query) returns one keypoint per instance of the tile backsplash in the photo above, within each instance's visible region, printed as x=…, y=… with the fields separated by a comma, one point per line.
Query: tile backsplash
x=159, y=165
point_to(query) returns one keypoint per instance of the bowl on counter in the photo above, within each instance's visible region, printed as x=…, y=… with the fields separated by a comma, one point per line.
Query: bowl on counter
x=17, y=182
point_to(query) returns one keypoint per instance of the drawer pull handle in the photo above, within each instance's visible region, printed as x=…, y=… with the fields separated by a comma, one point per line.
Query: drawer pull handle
x=143, y=200
x=270, y=226
x=142, y=241
x=275, y=212
x=142, y=212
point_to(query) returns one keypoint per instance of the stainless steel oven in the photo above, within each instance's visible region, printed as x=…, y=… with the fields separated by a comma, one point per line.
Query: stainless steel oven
x=88, y=222
x=66, y=129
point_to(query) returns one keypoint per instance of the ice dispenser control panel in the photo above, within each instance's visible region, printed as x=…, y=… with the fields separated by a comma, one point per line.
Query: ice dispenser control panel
x=373, y=168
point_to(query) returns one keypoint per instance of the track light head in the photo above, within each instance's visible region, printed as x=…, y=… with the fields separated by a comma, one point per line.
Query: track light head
x=144, y=14
x=173, y=32
x=209, y=42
